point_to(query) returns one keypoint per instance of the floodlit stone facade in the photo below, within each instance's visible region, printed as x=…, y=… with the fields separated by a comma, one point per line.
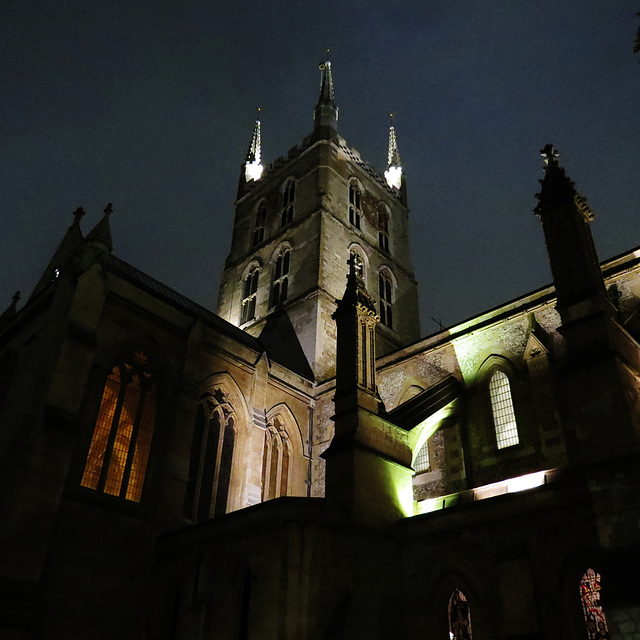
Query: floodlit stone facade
x=303, y=465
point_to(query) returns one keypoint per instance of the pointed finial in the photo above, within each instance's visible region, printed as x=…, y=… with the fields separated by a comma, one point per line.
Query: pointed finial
x=78, y=214
x=108, y=210
x=393, y=174
x=550, y=155
x=15, y=298
x=252, y=165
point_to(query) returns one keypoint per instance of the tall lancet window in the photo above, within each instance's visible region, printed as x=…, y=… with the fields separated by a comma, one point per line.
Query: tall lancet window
x=383, y=229
x=212, y=446
x=121, y=442
x=459, y=617
x=385, y=291
x=288, y=196
x=504, y=418
x=249, y=294
x=280, y=288
x=355, y=210
x=275, y=467
x=594, y=617
x=261, y=221
x=358, y=262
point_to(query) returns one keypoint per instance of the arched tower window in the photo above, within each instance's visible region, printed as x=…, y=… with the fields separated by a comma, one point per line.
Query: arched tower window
x=504, y=418
x=385, y=290
x=459, y=617
x=355, y=255
x=383, y=229
x=355, y=210
x=211, y=456
x=261, y=221
x=594, y=617
x=421, y=463
x=121, y=442
x=288, y=196
x=280, y=287
x=275, y=468
x=249, y=294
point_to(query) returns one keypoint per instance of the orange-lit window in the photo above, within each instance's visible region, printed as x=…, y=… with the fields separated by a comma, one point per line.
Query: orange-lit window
x=275, y=467
x=207, y=490
x=121, y=442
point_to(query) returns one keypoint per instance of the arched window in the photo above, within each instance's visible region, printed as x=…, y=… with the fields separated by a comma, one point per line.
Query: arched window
x=504, y=418
x=249, y=294
x=383, y=229
x=261, y=221
x=275, y=467
x=280, y=286
x=421, y=463
x=121, y=442
x=287, y=203
x=354, y=255
x=211, y=456
x=594, y=617
x=459, y=617
x=385, y=290
x=355, y=210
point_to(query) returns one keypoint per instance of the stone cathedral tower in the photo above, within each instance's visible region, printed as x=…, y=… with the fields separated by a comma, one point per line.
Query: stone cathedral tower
x=297, y=223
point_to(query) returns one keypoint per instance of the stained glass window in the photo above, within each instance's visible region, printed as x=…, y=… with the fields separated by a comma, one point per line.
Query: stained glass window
x=212, y=445
x=504, y=418
x=594, y=617
x=121, y=441
x=459, y=617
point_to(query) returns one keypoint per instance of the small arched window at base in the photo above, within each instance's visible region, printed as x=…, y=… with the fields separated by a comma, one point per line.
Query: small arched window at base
x=504, y=418
x=459, y=617
x=594, y=618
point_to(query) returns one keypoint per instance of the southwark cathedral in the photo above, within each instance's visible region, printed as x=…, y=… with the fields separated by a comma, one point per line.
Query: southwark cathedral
x=303, y=463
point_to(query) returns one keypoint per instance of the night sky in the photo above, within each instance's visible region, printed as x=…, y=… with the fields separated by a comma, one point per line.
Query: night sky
x=150, y=106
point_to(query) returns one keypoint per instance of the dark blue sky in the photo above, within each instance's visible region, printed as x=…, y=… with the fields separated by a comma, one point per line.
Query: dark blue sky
x=151, y=105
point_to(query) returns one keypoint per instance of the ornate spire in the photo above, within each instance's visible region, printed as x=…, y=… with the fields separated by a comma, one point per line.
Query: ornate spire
x=326, y=112
x=393, y=174
x=102, y=231
x=252, y=166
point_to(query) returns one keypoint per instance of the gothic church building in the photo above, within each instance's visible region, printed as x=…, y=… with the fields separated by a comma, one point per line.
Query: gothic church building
x=303, y=464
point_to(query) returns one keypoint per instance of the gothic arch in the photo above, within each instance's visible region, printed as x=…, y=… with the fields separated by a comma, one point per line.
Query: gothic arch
x=224, y=382
x=282, y=246
x=125, y=408
x=255, y=262
x=297, y=462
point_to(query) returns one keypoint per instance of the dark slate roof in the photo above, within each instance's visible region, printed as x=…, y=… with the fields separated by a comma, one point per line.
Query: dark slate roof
x=162, y=291
x=412, y=412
